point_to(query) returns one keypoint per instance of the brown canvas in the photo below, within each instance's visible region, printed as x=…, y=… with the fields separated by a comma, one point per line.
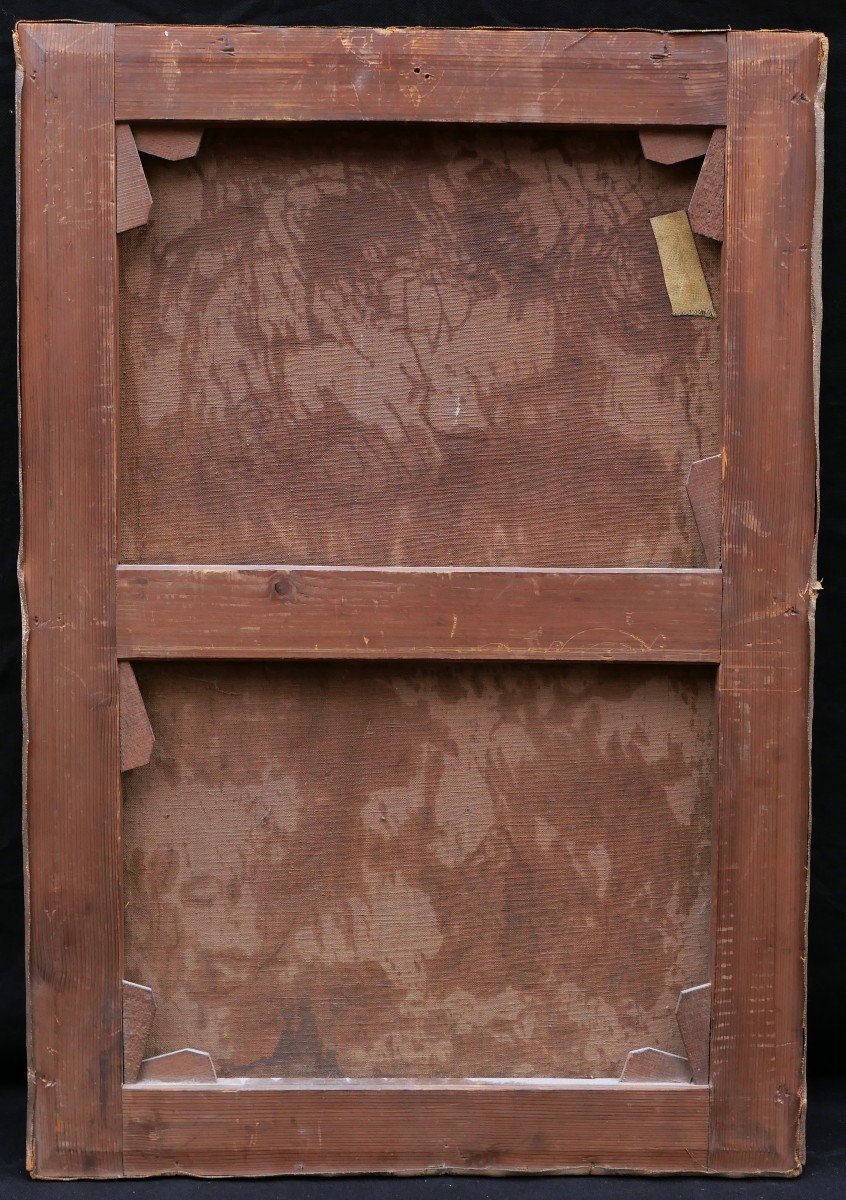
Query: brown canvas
x=517, y=881
x=443, y=345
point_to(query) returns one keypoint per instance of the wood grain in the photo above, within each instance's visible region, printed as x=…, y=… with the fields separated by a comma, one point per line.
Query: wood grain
x=405, y=869
x=673, y=145
x=169, y=141
x=421, y=346
x=599, y=76
x=326, y=612
x=769, y=505
x=707, y=204
x=409, y=1127
x=68, y=548
x=139, y=1008
x=133, y=195
x=693, y=1013
x=136, y=735
x=704, y=487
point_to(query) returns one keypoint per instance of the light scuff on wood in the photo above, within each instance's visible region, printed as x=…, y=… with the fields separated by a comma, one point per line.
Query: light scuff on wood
x=707, y=204
x=179, y=1066
x=670, y=146
x=693, y=1013
x=683, y=275
x=704, y=489
x=171, y=141
x=136, y=734
x=139, y=1009
x=133, y=197
x=649, y=1065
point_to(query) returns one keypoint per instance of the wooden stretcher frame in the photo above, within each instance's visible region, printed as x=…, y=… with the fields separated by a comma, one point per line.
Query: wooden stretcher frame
x=83, y=611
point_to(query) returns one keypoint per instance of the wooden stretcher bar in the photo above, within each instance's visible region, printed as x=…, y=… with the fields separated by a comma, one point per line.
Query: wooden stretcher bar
x=345, y=612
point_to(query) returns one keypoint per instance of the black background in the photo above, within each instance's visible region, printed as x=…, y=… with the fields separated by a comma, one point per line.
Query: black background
x=827, y=955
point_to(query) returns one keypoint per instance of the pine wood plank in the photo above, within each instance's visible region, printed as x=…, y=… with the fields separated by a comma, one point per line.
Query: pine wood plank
x=68, y=547
x=188, y=73
x=319, y=612
x=413, y=1126
x=757, y=1031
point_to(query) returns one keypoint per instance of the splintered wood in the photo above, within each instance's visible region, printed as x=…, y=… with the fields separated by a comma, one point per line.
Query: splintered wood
x=683, y=274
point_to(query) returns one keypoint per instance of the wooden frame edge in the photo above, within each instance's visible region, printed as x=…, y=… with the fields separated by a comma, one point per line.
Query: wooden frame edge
x=66, y=568
x=479, y=1127
x=581, y=76
x=772, y=181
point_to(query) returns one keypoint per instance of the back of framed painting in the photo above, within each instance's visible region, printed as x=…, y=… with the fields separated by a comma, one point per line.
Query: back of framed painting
x=419, y=521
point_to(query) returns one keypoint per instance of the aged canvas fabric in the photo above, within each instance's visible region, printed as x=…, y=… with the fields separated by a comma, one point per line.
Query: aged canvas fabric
x=384, y=345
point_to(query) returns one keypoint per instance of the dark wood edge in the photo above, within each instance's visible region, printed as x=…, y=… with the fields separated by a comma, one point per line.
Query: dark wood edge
x=598, y=76
x=346, y=612
x=67, y=248
x=266, y=1127
x=769, y=527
